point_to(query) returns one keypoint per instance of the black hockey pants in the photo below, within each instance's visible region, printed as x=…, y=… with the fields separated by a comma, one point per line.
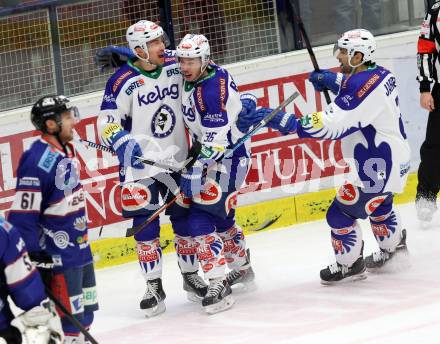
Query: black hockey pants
x=429, y=169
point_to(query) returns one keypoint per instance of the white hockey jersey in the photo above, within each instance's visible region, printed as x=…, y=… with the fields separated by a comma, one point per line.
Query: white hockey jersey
x=366, y=117
x=210, y=107
x=148, y=105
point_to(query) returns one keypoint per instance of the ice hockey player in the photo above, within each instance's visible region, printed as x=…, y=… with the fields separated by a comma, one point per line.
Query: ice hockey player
x=49, y=212
x=20, y=280
x=141, y=116
x=366, y=117
x=211, y=104
x=429, y=170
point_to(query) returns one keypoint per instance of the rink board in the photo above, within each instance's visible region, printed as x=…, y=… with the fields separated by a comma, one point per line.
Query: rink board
x=291, y=180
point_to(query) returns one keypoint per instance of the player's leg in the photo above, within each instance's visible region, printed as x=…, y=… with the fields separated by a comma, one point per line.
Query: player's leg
x=66, y=286
x=210, y=254
x=139, y=200
x=184, y=244
x=346, y=238
x=90, y=297
x=387, y=229
x=236, y=254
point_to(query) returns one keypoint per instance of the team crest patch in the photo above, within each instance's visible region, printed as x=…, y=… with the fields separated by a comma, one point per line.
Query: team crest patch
x=48, y=159
x=211, y=194
x=135, y=196
x=163, y=122
x=348, y=194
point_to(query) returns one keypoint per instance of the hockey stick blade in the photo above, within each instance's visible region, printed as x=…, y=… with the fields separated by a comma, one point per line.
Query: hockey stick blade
x=133, y=230
x=308, y=45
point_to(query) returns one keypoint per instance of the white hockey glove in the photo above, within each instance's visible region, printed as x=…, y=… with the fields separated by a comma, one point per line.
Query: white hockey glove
x=40, y=325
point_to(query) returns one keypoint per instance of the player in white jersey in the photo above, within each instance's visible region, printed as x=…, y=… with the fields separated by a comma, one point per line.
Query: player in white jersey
x=141, y=116
x=211, y=104
x=366, y=117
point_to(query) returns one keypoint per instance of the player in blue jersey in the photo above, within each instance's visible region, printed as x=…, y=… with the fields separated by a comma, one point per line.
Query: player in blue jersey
x=20, y=280
x=49, y=211
x=366, y=117
x=211, y=104
x=141, y=116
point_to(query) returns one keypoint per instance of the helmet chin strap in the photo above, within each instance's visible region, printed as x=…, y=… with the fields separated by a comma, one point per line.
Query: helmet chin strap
x=57, y=136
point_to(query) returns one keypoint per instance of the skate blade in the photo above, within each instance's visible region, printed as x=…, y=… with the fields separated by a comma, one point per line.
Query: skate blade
x=154, y=311
x=358, y=277
x=400, y=262
x=221, y=306
x=193, y=297
x=244, y=287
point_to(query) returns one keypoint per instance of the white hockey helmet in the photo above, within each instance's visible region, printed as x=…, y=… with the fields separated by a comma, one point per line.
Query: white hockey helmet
x=358, y=40
x=142, y=32
x=193, y=46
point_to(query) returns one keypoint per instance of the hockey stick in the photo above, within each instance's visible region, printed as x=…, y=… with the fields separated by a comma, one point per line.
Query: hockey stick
x=228, y=153
x=308, y=45
x=70, y=317
x=169, y=168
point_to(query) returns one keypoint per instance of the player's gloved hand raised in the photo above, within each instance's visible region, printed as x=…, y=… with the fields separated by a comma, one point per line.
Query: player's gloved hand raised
x=325, y=79
x=247, y=117
x=45, y=264
x=283, y=122
x=126, y=148
x=40, y=324
x=112, y=57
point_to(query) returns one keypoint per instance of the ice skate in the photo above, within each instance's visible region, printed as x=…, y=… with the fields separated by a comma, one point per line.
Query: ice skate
x=243, y=276
x=378, y=259
x=218, y=298
x=153, y=301
x=338, y=273
x=425, y=211
x=195, y=286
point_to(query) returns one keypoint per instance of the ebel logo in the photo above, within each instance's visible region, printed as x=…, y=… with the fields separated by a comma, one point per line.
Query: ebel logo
x=159, y=94
x=163, y=122
x=134, y=85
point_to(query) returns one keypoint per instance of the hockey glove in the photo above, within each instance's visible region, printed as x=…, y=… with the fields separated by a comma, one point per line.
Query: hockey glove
x=246, y=118
x=283, y=122
x=193, y=179
x=112, y=57
x=127, y=149
x=325, y=79
x=40, y=324
x=45, y=264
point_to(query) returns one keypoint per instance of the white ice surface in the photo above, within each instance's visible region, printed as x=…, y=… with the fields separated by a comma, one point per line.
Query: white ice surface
x=290, y=305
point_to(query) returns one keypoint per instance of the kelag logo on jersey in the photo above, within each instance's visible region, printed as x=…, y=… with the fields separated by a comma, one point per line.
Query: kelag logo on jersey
x=163, y=122
x=159, y=94
x=188, y=112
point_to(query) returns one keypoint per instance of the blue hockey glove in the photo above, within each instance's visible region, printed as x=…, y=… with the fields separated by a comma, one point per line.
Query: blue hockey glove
x=246, y=118
x=325, y=79
x=112, y=57
x=126, y=148
x=192, y=180
x=283, y=122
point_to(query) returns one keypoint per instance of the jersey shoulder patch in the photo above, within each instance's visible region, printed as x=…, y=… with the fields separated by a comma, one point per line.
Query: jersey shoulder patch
x=5, y=224
x=48, y=159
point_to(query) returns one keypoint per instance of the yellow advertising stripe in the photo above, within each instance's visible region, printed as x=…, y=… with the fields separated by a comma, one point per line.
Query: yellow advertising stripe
x=277, y=213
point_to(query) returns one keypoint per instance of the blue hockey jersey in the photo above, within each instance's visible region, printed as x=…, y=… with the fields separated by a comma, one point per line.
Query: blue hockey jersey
x=18, y=277
x=366, y=116
x=210, y=107
x=49, y=205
